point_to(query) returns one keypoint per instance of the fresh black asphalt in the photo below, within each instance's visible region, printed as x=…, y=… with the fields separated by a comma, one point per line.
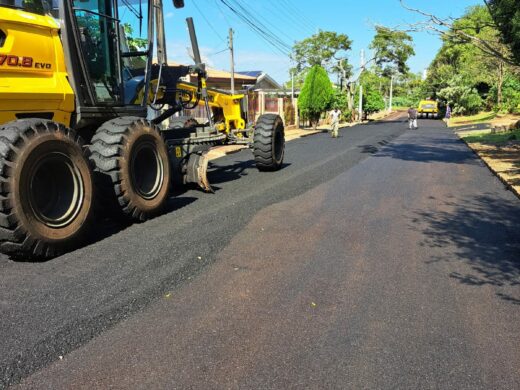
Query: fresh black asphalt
x=389, y=263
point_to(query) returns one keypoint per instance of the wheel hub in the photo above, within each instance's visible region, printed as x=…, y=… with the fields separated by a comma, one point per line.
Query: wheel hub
x=55, y=190
x=147, y=170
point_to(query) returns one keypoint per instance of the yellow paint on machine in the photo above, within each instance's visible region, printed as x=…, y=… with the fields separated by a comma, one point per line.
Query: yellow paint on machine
x=230, y=105
x=33, y=77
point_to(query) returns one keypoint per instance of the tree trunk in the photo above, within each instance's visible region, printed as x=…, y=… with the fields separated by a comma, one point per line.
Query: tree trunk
x=314, y=124
x=500, y=83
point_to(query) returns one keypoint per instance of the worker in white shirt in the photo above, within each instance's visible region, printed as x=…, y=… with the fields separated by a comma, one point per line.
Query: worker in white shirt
x=334, y=120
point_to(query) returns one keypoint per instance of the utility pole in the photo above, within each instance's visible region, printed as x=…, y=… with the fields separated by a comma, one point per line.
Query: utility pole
x=361, y=86
x=391, y=92
x=343, y=74
x=292, y=86
x=232, y=61
x=345, y=85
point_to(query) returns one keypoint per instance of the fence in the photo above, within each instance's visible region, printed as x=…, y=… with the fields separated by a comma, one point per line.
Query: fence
x=256, y=103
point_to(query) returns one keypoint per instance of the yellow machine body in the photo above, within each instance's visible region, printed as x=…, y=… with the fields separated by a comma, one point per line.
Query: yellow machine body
x=230, y=105
x=33, y=77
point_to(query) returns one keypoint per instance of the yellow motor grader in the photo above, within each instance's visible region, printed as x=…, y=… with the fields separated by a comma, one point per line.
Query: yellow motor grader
x=76, y=91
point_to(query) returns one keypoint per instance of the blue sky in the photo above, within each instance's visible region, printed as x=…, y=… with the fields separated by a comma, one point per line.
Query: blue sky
x=294, y=20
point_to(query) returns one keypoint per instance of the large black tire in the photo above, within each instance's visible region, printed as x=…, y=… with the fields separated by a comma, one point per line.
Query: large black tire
x=131, y=167
x=46, y=189
x=269, y=142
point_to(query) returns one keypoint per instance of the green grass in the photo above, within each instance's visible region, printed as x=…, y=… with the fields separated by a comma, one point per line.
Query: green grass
x=492, y=139
x=470, y=119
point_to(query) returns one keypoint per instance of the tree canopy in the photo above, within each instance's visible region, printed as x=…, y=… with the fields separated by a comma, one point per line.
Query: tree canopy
x=506, y=14
x=472, y=70
x=392, y=49
x=466, y=30
x=468, y=76
x=316, y=94
x=325, y=49
x=372, y=98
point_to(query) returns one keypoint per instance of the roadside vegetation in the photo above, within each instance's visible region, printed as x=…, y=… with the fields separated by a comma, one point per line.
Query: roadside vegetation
x=481, y=117
x=328, y=51
x=476, y=70
x=497, y=139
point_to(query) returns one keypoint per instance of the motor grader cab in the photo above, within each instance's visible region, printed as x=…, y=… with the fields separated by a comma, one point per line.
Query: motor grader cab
x=77, y=81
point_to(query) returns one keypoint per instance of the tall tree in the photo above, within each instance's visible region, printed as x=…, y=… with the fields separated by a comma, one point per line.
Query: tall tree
x=464, y=69
x=392, y=49
x=450, y=29
x=372, y=98
x=506, y=14
x=325, y=49
x=316, y=95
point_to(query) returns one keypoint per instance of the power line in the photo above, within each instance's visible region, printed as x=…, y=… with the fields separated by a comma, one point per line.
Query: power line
x=265, y=21
x=296, y=11
x=208, y=22
x=261, y=26
x=234, y=18
x=291, y=15
x=222, y=13
x=218, y=52
x=261, y=30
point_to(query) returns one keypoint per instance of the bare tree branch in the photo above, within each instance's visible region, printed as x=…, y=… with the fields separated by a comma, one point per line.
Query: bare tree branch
x=446, y=28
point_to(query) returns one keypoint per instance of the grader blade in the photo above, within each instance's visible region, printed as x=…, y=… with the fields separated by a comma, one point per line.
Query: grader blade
x=197, y=170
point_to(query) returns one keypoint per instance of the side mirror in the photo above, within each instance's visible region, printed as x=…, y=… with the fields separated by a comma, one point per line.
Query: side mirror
x=178, y=3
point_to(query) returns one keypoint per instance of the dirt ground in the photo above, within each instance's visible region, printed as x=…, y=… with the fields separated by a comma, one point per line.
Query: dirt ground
x=503, y=160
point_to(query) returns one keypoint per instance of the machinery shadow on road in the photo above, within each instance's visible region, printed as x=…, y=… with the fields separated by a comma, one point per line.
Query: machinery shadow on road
x=105, y=227
x=219, y=174
x=386, y=122
x=448, y=151
x=484, y=234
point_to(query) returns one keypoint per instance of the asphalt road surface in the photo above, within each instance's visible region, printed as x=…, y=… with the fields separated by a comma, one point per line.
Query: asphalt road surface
x=384, y=259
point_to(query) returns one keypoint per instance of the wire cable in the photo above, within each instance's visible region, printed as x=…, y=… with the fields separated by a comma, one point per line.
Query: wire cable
x=263, y=31
x=208, y=22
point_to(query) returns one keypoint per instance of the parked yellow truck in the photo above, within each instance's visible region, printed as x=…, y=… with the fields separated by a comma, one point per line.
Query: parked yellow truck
x=428, y=109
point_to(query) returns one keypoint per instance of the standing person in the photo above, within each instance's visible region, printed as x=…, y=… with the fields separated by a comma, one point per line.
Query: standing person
x=334, y=117
x=412, y=118
x=448, y=114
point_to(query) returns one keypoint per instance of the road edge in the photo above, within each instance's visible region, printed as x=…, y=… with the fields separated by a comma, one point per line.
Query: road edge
x=500, y=177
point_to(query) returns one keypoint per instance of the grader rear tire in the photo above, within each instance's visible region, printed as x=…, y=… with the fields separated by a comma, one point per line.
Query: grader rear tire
x=46, y=189
x=132, y=167
x=269, y=142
